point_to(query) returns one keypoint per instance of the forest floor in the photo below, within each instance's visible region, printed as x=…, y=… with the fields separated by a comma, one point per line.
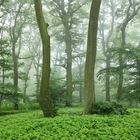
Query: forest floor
x=70, y=124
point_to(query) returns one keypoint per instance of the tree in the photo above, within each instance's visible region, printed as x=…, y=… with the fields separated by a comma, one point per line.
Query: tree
x=106, y=38
x=5, y=66
x=44, y=97
x=89, y=86
x=131, y=12
x=15, y=34
x=66, y=11
x=131, y=87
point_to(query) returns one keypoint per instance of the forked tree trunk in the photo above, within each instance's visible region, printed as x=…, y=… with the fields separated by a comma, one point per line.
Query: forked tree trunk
x=89, y=85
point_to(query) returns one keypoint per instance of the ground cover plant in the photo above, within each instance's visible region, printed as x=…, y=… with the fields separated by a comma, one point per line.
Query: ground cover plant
x=109, y=108
x=33, y=126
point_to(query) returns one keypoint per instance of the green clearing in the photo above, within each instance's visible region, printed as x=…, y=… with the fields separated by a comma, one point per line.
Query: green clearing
x=70, y=125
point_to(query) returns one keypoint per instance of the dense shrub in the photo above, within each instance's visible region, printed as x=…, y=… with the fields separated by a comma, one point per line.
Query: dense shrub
x=109, y=108
x=2, y=113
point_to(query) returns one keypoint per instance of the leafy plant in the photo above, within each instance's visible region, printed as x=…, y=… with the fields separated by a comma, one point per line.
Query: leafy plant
x=109, y=108
x=33, y=126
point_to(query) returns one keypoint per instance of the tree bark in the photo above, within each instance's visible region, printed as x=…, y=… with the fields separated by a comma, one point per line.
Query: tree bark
x=44, y=97
x=107, y=83
x=15, y=79
x=80, y=84
x=89, y=84
x=69, y=64
x=26, y=81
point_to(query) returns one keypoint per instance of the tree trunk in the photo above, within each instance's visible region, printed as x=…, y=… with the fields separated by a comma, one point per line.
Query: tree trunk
x=15, y=79
x=138, y=79
x=1, y=98
x=120, y=81
x=37, y=81
x=89, y=84
x=107, y=78
x=44, y=97
x=26, y=80
x=3, y=82
x=80, y=79
x=120, y=71
x=69, y=64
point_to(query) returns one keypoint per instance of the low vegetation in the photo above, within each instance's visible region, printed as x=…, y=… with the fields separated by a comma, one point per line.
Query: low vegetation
x=33, y=126
x=109, y=108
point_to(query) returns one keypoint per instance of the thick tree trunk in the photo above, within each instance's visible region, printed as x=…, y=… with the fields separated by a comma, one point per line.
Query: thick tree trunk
x=44, y=97
x=69, y=64
x=89, y=84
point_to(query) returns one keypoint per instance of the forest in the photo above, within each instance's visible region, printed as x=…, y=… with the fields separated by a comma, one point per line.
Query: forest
x=69, y=70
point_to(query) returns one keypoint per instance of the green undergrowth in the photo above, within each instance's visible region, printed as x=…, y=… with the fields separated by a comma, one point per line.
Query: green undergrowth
x=33, y=126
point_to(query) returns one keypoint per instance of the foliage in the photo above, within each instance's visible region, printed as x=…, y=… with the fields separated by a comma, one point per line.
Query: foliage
x=27, y=126
x=2, y=113
x=29, y=105
x=109, y=108
x=5, y=56
x=131, y=71
x=7, y=93
x=131, y=88
x=57, y=90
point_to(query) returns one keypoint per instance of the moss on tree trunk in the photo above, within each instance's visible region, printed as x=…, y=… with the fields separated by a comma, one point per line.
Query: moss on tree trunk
x=44, y=97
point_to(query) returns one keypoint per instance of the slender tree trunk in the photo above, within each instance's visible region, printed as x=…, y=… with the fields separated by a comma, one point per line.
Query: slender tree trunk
x=37, y=81
x=1, y=98
x=26, y=80
x=38, y=74
x=3, y=82
x=80, y=79
x=44, y=97
x=138, y=79
x=80, y=89
x=120, y=71
x=15, y=79
x=120, y=81
x=107, y=78
x=89, y=84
